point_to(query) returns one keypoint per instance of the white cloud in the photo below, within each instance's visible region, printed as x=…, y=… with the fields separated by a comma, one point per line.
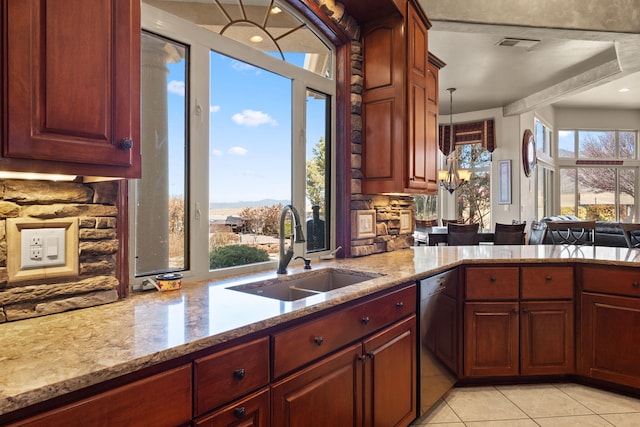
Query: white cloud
x=217, y=153
x=243, y=66
x=214, y=108
x=237, y=151
x=565, y=132
x=176, y=87
x=253, y=118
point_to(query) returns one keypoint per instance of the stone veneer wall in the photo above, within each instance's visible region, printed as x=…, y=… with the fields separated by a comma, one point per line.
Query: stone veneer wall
x=388, y=237
x=95, y=206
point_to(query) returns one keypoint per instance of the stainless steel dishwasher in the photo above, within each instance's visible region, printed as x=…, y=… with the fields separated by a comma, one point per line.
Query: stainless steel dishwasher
x=438, y=345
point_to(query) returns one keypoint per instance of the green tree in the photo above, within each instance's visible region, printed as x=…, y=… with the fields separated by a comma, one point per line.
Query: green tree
x=316, y=173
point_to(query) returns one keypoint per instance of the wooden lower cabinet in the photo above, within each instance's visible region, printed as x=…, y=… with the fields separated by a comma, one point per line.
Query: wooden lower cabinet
x=547, y=337
x=390, y=376
x=526, y=338
x=610, y=338
x=252, y=411
x=328, y=393
x=491, y=339
x=371, y=383
x=160, y=400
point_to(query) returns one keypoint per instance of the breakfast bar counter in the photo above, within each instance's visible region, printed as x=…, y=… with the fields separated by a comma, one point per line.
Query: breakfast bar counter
x=47, y=357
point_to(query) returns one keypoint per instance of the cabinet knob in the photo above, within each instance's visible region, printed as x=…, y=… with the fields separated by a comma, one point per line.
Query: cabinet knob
x=240, y=412
x=370, y=354
x=318, y=340
x=515, y=311
x=365, y=320
x=493, y=278
x=239, y=374
x=362, y=358
x=126, y=143
x=525, y=310
x=548, y=278
x=635, y=284
x=399, y=305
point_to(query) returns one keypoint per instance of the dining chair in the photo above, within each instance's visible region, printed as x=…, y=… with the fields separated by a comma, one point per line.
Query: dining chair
x=462, y=234
x=572, y=232
x=631, y=236
x=509, y=234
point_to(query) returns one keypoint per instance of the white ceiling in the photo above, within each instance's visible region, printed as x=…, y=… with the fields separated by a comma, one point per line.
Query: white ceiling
x=567, y=68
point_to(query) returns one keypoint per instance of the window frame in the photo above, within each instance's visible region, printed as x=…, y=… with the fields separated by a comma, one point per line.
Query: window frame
x=201, y=42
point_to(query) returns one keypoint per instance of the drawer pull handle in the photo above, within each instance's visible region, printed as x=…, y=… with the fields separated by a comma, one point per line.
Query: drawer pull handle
x=493, y=278
x=365, y=320
x=399, y=305
x=240, y=412
x=548, y=278
x=635, y=284
x=239, y=374
x=318, y=340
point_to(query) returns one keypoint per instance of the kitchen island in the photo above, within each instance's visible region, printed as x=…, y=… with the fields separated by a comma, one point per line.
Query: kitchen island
x=49, y=357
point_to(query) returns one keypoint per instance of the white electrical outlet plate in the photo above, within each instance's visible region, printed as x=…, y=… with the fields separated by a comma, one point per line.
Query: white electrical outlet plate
x=42, y=247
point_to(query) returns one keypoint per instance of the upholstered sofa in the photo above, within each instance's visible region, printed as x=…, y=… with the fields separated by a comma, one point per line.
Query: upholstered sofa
x=608, y=233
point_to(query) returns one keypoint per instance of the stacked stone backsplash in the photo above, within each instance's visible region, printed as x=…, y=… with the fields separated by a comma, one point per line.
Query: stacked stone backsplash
x=95, y=206
x=388, y=237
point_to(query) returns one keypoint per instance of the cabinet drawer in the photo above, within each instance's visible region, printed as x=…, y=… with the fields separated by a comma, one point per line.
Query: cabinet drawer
x=495, y=283
x=160, y=400
x=253, y=410
x=611, y=281
x=299, y=345
x=547, y=283
x=229, y=374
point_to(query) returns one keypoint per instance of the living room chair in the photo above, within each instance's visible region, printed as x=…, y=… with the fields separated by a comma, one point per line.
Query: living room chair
x=580, y=233
x=509, y=234
x=631, y=234
x=462, y=234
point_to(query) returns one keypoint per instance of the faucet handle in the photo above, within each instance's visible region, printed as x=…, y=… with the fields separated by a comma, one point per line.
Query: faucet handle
x=307, y=262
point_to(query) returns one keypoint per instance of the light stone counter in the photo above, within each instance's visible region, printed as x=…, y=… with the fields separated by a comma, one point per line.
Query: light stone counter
x=45, y=357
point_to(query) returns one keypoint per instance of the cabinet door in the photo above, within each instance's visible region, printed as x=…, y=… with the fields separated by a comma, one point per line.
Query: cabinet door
x=252, y=411
x=73, y=84
x=547, y=340
x=610, y=339
x=390, y=376
x=421, y=157
x=491, y=339
x=328, y=393
x=383, y=107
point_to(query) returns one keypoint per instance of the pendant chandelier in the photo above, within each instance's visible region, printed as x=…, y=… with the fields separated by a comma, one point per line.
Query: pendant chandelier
x=452, y=178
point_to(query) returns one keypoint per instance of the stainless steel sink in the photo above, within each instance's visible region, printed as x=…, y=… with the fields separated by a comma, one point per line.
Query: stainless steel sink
x=303, y=285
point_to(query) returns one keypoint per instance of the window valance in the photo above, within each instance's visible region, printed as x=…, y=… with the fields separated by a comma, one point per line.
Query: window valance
x=468, y=133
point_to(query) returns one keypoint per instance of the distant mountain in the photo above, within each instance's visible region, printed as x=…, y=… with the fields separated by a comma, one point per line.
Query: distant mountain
x=247, y=204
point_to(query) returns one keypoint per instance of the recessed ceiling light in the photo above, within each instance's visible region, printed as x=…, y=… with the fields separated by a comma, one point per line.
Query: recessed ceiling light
x=624, y=89
x=275, y=10
x=255, y=39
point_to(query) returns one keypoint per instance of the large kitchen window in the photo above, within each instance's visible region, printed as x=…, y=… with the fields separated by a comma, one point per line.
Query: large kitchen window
x=598, y=174
x=237, y=100
x=545, y=169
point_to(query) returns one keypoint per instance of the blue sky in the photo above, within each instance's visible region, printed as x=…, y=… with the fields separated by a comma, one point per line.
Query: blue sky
x=249, y=135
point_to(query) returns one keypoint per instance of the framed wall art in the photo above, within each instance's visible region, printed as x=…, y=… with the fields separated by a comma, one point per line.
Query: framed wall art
x=504, y=182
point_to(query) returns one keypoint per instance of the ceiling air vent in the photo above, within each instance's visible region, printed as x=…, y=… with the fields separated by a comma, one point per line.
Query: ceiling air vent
x=510, y=42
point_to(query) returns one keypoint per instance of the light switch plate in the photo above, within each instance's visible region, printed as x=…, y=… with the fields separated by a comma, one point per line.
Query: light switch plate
x=42, y=249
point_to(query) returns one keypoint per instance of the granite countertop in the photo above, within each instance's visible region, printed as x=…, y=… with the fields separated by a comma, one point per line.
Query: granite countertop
x=46, y=357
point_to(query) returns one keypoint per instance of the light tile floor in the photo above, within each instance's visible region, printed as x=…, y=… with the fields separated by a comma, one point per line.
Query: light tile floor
x=545, y=405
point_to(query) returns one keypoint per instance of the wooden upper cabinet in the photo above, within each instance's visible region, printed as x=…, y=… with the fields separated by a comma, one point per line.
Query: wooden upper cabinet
x=73, y=87
x=400, y=105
